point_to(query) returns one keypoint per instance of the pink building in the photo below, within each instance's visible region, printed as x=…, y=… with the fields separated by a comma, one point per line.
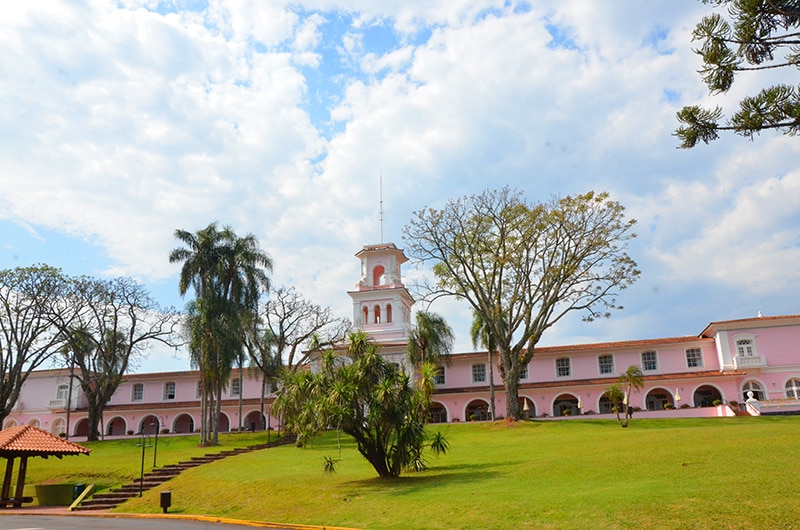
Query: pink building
x=683, y=376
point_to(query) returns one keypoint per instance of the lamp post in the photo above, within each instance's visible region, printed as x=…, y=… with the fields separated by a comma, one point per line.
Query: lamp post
x=269, y=427
x=155, y=449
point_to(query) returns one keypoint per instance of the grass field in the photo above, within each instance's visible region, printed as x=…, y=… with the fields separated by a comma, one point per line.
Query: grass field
x=681, y=473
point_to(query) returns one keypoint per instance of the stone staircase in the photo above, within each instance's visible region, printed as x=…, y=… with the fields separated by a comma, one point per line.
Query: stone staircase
x=159, y=475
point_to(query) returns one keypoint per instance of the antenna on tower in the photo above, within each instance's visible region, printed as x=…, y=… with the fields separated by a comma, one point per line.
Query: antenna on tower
x=381, y=203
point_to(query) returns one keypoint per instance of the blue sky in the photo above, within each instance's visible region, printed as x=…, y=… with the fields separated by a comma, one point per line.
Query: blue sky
x=122, y=121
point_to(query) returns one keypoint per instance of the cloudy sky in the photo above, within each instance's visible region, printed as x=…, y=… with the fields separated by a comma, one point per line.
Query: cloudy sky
x=122, y=121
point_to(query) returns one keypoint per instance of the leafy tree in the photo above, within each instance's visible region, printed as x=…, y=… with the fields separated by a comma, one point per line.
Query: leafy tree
x=227, y=274
x=758, y=35
x=523, y=267
x=431, y=340
x=366, y=397
x=30, y=298
x=114, y=322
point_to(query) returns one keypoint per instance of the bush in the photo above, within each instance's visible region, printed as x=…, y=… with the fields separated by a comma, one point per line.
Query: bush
x=668, y=406
x=717, y=402
x=62, y=435
x=685, y=406
x=130, y=432
x=164, y=431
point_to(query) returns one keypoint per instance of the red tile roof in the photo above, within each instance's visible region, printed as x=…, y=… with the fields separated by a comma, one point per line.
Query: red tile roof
x=26, y=440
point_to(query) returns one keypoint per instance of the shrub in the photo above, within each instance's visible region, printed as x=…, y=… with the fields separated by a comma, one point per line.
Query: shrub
x=717, y=402
x=130, y=432
x=62, y=435
x=685, y=406
x=668, y=406
x=164, y=431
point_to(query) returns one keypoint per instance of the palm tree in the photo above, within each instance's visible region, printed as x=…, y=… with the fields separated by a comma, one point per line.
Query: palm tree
x=630, y=380
x=431, y=340
x=616, y=396
x=481, y=336
x=227, y=273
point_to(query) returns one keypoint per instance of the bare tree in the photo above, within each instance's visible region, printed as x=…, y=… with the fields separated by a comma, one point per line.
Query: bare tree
x=30, y=299
x=114, y=322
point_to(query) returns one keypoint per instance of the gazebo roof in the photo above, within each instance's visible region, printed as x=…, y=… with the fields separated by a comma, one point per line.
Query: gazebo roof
x=26, y=440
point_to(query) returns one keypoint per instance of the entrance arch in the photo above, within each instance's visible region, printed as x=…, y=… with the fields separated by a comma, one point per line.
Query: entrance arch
x=82, y=427
x=148, y=424
x=478, y=410
x=604, y=405
x=183, y=423
x=224, y=423
x=526, y=403
x=564, y=403
x=705, y=396
x=657, y=398
x=437, y=413
x=59, y=426
x=116, y=426
x=754, y=387
x=255, y=421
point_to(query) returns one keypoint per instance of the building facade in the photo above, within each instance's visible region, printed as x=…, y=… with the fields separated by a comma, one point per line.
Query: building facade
x=703, y=375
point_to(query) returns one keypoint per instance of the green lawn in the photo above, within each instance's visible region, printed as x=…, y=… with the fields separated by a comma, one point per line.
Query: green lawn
x=682, y=473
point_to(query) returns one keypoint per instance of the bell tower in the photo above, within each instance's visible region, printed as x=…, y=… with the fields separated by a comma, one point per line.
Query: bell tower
x=381, y=303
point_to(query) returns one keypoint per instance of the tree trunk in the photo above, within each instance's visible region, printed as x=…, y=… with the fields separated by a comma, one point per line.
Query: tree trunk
x=261, y=403
x=491, y=385
x=241, y=393
x=94, y=416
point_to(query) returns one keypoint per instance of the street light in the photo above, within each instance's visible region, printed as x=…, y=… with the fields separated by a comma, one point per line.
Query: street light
x=155, y=449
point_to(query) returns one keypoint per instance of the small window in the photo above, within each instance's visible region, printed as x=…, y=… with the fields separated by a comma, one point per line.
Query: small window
x=438, y=379
x=62, y=391
x=169, y=390
x=377, y=314
x=793, y=389
x=523, y=372
x=236, y=387
x=478, y=373
x=198, y=390
x=366, y=315
x=138, y=392
x=605, y=364
x=745, y=348
x=694, y=358
x=649, y=361
x=563, y=368
x=388, y=313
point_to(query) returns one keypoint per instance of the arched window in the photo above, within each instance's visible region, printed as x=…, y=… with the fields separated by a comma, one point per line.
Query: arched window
x=706, y=395
x=377, y=314
x=365, y=310
x=657, y=399
x=755, y=388
x=437, y=412
x=388, y=313
x=478, y=410
x=793, y=388
x=378, y=276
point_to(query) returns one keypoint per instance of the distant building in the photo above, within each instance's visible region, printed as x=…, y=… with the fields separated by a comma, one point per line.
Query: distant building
x=683, y=376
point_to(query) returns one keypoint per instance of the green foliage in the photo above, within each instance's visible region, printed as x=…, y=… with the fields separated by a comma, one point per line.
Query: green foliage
x=431, y=340
x=439, y=443
x=227, y=273
x=330, y=464
x=366, y=397
x=523, y=266
x=756, y=32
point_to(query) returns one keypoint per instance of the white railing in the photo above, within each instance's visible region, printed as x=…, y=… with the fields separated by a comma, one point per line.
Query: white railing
x=753, y=361
x=57, y=404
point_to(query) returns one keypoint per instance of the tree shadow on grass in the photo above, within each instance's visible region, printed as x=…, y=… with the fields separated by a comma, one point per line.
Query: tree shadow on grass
x=413, y=482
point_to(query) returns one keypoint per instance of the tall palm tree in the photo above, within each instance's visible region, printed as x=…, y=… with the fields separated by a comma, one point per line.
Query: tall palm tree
x=227, y=274
x=431, y=340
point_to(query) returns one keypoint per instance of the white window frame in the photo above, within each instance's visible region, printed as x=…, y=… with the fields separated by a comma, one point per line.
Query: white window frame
x=167, y=395
x=440, y=378
x=698, y=359
x=745, y=344
x=479, y=373
x=62, y=391
x=140, y=386
x=600, y=359
x=563, y=366
x=523, y=373
x=791, y=388
x=236, y=386
x=654, y=361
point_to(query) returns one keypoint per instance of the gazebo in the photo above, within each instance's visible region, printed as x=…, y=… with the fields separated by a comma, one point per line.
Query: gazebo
x=25, y=441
